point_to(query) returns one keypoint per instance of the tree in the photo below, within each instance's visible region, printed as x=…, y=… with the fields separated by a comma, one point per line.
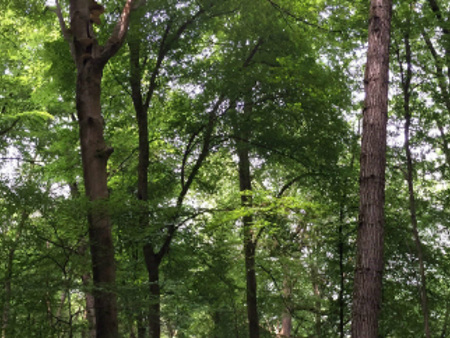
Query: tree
x=90, y=58
x=370, y=242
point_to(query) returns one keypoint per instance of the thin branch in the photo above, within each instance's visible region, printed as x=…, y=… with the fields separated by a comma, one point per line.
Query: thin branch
x=299, y=19
x=204, y=152
x=187, y=152
x=294, y=180
x=253, y=52
x=164, y=48
x=6, y=130
x=40, y=163
x=62, y=23
x=117, y=37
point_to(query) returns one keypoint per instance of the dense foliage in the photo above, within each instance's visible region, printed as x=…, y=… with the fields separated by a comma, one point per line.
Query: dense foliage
x=277, y=80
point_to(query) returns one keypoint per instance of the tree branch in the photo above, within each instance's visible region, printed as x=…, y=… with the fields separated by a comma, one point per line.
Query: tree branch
x=62, y=23
x=117, y=37
x=6, y=130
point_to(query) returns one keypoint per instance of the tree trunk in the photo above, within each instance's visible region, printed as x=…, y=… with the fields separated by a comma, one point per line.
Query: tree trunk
x=341, y=269
x=90, y=59
x=7, y=290
x=315, y=278
x=95, y=153
x=141, y=108
x=9, y=275
x=370, y=238
x=245, y=184
x=406, y=82
x=154, y=318
x=286, y=317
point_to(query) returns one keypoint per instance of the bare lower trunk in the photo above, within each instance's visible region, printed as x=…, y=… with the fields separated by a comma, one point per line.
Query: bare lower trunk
x=95, y=153
x=249, y=236
x=154, y=318
x=341, y=274
x=370, y=238
x=252, y=308
x=317, y=296
x=444, y=327
x=7, y=290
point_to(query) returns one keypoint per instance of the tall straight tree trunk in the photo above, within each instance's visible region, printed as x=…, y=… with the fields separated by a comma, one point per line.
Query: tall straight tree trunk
x=406, y=84
x=245, y=184
x=370, y=238
x=90, y=58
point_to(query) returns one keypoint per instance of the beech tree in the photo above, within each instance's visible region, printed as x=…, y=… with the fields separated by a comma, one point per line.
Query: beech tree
x=90, y=59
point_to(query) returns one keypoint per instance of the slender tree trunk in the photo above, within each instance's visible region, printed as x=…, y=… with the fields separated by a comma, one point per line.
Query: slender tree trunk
x=7, y=290
x=9, y=275
x=370, y=238
x=447, y=313
x=317, y=296
x=152, y=263
x=341, y=246
x=406, y=84
x=141, y=109
x=151, y=258
x=286, y=318
x=341, y=269
x=245, y=184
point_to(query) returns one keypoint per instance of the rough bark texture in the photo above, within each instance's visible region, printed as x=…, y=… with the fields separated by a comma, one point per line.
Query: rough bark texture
x=90, y=59
x=370, y=238
x=406, y=86
x=95, y=154
x=245, y=184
